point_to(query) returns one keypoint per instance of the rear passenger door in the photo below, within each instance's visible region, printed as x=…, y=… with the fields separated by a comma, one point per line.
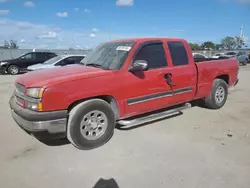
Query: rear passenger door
x=183, y=72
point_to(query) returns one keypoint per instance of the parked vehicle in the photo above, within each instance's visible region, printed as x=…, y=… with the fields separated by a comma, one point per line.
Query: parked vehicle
x=58, y=61
x=230, y=54
x=243, y=58
x=217, y=56
x=124, y=81
x=20, y=64
x=199, y=56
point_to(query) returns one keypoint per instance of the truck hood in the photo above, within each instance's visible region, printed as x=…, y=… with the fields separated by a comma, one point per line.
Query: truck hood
x=40, y=66
x=48, y=77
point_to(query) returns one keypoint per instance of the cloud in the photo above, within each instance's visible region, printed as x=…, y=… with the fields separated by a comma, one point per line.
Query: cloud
x=62, y=14
x=49, y=35
x=124, y=2
x=24, y=25
x=29, y=4
x=22, y=41
x=3, y=1
x=94, y=30
x=76, y=9
x=92, y=35
x=4, y=12
x=52, y=36
x=42, y=46
x=87, y=10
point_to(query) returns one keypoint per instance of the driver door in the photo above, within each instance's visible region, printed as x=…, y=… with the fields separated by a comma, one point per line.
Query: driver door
x=27, y=60
x=148, y=90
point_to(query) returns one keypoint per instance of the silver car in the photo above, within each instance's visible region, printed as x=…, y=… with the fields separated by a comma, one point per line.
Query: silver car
x=242, y=56
x=61, y=60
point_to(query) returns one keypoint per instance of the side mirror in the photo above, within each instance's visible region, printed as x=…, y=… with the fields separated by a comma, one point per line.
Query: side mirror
x=139, y=65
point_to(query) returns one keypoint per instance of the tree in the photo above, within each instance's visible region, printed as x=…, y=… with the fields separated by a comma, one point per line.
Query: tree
x=232, y=43
x=228, y=43
x=217, y=46
x=13, y=44
x=6, y=44
x=194, y=46
x=208, y=45
x=239, y=42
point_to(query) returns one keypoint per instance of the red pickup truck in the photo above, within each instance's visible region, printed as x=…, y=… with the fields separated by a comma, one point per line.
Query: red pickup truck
x=126, y=81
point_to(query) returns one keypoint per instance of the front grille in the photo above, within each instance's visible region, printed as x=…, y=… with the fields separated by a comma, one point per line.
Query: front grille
x=20, y=88
x=19, y=101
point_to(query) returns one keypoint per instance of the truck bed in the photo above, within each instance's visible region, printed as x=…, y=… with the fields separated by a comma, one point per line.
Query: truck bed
x=207, y=71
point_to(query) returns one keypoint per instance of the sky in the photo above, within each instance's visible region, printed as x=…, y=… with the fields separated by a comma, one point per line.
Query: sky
x=63, y=24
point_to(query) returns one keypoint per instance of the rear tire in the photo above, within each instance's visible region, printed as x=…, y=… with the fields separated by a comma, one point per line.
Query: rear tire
x=13, y=70
x=91, y=124
x=218, y=95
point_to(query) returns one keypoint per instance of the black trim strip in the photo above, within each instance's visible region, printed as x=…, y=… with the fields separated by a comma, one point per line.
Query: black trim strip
x=147, y=98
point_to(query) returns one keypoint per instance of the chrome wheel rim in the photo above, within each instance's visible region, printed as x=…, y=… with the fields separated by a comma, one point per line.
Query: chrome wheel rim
x=93, y=125
x=13, y=70
x=219, y=94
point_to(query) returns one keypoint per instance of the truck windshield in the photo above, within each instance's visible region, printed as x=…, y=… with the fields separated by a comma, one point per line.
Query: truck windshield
x=109, y=56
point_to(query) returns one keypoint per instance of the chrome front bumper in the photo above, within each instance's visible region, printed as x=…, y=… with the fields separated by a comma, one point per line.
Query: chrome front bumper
x=52, y=122
x=52, y=126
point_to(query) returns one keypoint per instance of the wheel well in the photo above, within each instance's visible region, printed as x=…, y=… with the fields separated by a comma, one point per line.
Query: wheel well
x=224, y=77
x=109, y=99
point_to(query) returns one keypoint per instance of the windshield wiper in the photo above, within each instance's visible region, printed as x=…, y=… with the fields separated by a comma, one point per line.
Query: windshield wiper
x=96, y=65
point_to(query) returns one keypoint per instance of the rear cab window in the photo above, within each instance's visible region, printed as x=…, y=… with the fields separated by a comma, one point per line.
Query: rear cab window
x=178, y=53
x=154, y=54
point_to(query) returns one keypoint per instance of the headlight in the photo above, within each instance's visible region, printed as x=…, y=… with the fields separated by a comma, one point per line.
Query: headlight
x=35, y=92
x=3, y=63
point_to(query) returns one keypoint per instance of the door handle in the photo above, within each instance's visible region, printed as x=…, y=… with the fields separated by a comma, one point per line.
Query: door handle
x=168, y=77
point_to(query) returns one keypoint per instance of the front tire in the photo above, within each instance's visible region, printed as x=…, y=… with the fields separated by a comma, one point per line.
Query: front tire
x=13, y=70
x=218, y=95
x=91, y=124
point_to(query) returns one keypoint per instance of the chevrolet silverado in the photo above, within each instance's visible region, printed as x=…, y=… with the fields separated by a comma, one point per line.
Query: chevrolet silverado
x=129, y=82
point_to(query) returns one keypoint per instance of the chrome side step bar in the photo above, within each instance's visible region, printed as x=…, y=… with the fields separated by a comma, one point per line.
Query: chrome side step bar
x=152, y=117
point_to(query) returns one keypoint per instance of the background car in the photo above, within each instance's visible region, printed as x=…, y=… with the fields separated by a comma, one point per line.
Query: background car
x=61, y=60
x=230, y=54
x=218, y=55
x=243, y=58
x=199, y=56
x=20, y=64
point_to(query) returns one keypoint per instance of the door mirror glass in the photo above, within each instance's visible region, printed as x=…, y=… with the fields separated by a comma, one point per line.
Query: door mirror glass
x=139, y=65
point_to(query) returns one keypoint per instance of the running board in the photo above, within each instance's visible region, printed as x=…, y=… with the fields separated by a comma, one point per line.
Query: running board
x=152, y=117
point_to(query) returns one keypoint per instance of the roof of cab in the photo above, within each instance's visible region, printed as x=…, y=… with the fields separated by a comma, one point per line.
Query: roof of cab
x=145, y=39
